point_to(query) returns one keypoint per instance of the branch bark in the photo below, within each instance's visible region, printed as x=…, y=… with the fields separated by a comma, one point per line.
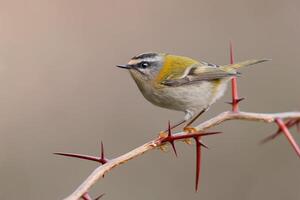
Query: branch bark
x=98, y=173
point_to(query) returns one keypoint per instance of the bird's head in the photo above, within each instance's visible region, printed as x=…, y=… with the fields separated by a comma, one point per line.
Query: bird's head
x=145, y=66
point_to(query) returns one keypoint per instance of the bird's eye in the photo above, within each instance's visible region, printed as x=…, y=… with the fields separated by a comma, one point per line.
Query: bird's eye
x=144, y=65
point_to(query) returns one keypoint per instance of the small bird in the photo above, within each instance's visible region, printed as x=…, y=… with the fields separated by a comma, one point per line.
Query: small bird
x=181, y=83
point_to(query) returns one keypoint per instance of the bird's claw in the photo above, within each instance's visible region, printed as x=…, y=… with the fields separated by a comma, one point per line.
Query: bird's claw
x=163, y=147
x=162, y=134
x=189, y=130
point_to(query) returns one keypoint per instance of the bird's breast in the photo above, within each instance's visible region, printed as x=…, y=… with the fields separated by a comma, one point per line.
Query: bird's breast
x=192, y=97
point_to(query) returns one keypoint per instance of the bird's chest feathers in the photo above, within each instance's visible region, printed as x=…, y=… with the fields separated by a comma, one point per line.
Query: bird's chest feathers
x=192, y=97
x=189, y=97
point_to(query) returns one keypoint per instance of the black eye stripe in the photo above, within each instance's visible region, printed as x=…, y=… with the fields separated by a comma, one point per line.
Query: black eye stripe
x=144, y=64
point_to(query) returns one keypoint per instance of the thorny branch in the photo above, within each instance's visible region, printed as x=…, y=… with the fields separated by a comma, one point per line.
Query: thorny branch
x=228, y=115
x=284, y=121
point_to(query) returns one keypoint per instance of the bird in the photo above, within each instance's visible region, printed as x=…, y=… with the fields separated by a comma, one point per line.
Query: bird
x=181, y=83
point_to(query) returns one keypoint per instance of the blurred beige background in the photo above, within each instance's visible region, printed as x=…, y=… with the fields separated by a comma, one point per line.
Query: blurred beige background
x=60, y=91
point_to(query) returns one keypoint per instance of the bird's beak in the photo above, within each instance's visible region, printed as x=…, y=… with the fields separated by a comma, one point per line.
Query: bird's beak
x=124, y=66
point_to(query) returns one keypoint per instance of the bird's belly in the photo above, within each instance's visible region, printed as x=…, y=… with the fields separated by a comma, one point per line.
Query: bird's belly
x=188, y=97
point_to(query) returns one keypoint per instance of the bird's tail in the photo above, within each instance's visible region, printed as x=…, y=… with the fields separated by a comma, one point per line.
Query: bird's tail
x=235, y=66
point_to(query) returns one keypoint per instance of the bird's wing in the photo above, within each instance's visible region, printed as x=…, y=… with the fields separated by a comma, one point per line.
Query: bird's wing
x=203, y=71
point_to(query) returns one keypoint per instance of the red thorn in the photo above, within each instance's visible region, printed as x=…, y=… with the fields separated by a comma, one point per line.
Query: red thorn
x=235, y=98
x=174, y=148
x=288, y=135
x=102, y=152
x=204, y=145
x=198, y=161
x=294, y=122
x=180, y=137
x=234, y=90
x=288, y=124
x=196, y=135
x=236, y=101
x=169, y=129
x=86, y=196
x=81, y=156
x=209, y=133
x=172, y=141
x=240, y=99
x=100, y=159
x=271, y=137
x=186, y=136
x=100, y=196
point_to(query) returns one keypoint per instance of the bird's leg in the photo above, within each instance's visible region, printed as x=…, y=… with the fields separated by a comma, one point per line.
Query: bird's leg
x=176, y=125
x=164, y=133
x=187, y=128
x=190, y=129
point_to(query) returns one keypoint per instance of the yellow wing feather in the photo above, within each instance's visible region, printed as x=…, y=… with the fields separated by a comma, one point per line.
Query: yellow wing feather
x=175, y=67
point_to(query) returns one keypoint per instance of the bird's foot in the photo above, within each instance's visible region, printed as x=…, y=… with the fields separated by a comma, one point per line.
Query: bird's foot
x=163, y=147
x=162, y=134
x=189, y=130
